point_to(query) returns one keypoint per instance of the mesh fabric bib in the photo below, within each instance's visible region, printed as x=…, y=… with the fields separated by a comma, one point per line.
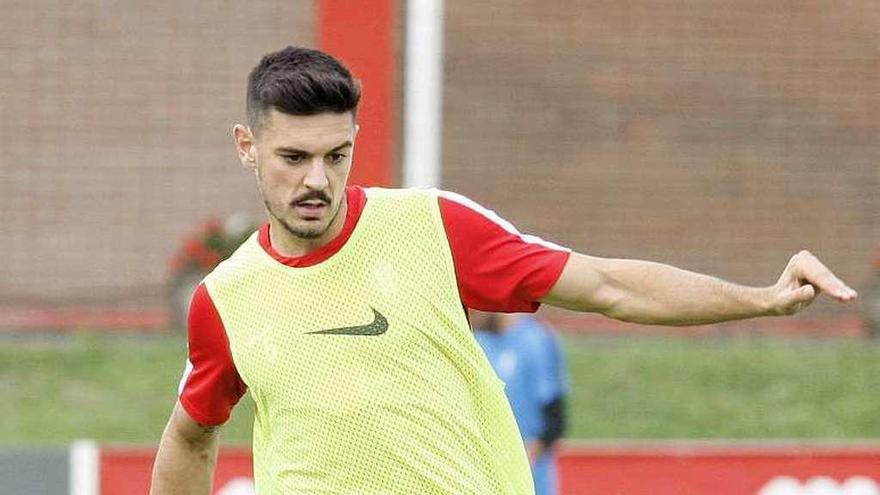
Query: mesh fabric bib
x=363, y=369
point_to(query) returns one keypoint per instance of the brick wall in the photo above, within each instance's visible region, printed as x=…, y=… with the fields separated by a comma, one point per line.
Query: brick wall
x=721, y=136
x=117, y=118
x=717, y=135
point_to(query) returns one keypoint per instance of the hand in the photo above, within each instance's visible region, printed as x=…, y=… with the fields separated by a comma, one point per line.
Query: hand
x=802, y=281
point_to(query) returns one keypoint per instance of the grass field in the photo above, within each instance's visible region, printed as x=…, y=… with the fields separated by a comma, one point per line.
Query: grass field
x=121, y=389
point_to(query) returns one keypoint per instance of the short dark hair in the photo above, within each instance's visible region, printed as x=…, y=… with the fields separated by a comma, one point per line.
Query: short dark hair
x=300, y=81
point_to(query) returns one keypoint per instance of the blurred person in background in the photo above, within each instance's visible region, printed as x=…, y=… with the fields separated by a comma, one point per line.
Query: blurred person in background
x=198, y=254
x=871, y=300
x=527, y=357
x=344, y=315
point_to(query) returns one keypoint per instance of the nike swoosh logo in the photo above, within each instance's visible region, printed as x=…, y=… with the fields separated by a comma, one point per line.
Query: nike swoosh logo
x=377, y=327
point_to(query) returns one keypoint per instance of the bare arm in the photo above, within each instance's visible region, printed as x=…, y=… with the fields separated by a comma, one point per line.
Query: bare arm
x=646, y=292
x=186, y=458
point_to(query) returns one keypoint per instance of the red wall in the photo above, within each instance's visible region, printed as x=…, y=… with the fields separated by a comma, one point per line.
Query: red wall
x=127, y=470
x=762, y=470
x=620, y=470
x=361, y=35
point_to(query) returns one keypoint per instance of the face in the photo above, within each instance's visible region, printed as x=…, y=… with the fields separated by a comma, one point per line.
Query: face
x=302, y=165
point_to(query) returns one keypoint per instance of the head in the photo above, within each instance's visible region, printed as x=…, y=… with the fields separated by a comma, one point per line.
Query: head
x=299, y=139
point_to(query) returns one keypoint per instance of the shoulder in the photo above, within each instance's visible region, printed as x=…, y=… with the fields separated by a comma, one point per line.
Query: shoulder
x=243, y=259
x=439, y=195
x=396, y=193
x=460, y=211
x=404, y=206
x=400, y=198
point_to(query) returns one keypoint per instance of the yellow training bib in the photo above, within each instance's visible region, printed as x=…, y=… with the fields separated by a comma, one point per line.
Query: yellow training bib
x=363, y=369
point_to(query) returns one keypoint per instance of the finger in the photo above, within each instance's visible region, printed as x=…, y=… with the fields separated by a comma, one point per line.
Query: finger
x=797, y=299
x=802, y=294
x=808, y=268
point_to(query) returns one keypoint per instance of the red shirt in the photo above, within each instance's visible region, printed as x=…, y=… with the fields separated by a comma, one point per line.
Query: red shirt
x=496, y=267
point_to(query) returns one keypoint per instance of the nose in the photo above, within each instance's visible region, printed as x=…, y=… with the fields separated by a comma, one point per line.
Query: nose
x=316, y=177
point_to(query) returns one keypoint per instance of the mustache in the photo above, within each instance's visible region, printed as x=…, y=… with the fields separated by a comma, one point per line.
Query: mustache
x=311, y=196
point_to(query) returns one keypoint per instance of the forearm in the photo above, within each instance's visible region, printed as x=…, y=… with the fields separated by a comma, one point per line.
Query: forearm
x=662, y=294
x=654, y=293
x=184, y=466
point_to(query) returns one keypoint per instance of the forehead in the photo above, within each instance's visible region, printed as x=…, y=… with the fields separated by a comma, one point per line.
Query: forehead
x=306, y=132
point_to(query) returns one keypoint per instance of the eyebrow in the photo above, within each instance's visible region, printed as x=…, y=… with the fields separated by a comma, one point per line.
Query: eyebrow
x=285, y=149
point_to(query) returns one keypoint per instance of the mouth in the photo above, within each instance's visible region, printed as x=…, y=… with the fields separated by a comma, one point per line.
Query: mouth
x=310, y=209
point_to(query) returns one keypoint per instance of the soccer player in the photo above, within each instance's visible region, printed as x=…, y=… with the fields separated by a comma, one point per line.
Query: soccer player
x=527, y=357
x=344, y=315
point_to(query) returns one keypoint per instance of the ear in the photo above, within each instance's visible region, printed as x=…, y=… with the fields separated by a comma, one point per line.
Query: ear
x=245, y=145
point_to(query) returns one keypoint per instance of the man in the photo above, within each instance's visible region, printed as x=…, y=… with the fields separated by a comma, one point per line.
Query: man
x=527, y=357
x=344, y=315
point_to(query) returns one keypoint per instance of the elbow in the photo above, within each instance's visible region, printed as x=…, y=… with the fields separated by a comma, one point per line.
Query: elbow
x=200, y=444
x=615, y=304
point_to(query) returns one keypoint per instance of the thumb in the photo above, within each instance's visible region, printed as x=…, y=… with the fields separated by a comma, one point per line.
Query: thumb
x=797, y=299
x=806, y=293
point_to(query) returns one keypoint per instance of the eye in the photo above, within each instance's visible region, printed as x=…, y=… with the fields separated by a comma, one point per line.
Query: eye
x=336, y=158
x=294, y=158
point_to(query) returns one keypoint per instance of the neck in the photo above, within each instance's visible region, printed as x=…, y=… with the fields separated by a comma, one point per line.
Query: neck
x=290, y=245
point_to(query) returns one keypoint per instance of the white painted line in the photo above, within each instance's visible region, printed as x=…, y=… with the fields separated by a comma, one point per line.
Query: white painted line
x=423, y=94
x=84, y=468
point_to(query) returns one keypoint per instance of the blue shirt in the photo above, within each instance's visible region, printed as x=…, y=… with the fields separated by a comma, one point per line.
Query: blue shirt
x=528, y=359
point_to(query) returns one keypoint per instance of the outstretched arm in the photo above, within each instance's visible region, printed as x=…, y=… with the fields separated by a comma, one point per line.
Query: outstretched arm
x=653, y=293
x=186, y=458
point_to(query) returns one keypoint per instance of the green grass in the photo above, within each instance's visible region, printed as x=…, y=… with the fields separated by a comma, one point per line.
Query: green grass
x=121, y=389
x=744, y=388
x=109, y=388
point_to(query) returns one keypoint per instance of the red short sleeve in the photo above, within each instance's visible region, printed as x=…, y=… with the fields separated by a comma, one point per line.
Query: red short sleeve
x=211, y=386
x=497, y=267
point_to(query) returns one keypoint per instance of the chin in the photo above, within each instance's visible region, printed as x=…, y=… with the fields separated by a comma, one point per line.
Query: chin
x=302, y=228
x=308, y=231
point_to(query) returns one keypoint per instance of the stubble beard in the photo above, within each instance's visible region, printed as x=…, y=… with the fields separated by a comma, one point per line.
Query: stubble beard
x=300, y=233
x=307, y=233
